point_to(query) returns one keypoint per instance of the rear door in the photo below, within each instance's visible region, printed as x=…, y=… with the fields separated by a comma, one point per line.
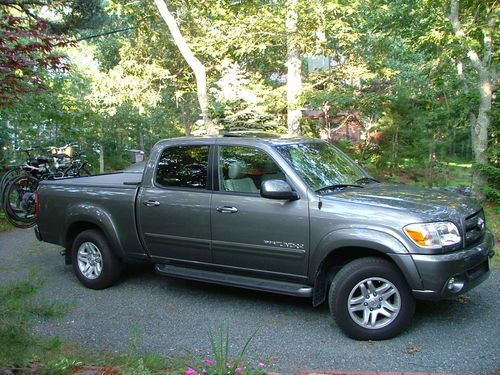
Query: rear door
x=174, y=211
x=251, y=233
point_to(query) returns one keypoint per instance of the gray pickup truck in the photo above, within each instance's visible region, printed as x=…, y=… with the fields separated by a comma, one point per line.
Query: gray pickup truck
x=290, y=216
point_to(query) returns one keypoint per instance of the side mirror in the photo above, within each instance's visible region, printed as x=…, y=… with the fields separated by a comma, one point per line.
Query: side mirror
x=277, y=189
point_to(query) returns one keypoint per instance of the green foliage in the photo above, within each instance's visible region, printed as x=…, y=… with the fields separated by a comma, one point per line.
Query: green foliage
x=4, y=224
x=17, y=312
x=393, y=63
x=492, y=190
x=221, y=362
x=59, y=366
x=137, y=368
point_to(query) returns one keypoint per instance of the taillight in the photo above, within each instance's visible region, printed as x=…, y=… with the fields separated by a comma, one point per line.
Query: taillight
x=37, y=204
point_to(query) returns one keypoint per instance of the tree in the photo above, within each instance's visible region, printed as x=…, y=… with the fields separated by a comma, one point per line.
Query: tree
x=31, y=44
x=294, y=69
x=195, y=64
x=72, y=15
x=486, y=78
x=27, y=54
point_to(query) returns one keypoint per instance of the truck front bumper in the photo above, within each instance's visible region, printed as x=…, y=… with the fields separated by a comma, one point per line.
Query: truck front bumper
x=449, y=275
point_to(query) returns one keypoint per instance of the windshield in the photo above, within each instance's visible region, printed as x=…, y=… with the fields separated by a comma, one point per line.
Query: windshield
x=321, y=165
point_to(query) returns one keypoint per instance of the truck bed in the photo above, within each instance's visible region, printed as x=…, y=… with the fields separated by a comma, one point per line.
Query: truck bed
x=94, y=199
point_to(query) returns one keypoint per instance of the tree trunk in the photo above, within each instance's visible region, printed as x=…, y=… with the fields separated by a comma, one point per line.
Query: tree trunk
x=481, y=123
x=479, y=132
x=101, y=158
x=16, y=135
x=141, y=140
x=185, y=117
x=294, y=72
x=193, y=62
x=395, y=149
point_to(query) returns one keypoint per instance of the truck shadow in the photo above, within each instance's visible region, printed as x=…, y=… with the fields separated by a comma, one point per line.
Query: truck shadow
x=220, y=293
x=440, y=311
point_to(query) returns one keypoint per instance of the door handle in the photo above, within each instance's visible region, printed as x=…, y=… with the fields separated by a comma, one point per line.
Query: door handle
x=227, y=210
x=151, y=203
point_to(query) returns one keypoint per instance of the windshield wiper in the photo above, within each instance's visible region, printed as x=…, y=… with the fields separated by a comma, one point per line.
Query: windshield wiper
x=366, y=180
x=337, y=187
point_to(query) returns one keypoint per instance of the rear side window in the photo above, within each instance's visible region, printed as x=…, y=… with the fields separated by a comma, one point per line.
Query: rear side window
x=183, y=166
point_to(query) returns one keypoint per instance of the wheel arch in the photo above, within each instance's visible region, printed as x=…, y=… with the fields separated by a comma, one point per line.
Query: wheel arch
x=82, y=223
x=341, y=247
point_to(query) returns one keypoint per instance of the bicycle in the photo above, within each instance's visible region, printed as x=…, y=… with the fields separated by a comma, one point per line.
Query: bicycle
x=18, y=196
x=13, y=171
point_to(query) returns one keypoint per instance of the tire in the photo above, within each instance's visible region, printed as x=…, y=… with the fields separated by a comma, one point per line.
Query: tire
x=389, y=298
x=5, y=181
x=19, y=201
x=94, y=263
x=84, y=172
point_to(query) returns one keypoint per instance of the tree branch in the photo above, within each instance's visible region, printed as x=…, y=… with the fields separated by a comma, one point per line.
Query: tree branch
x=459, y=33
x=106, y=33
x=487, y=41
x=28, y=12
x=194, y=63
x=23, y=3
x=455, y=21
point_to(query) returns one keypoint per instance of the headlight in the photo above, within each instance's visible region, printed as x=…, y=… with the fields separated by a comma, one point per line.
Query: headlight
x=434, y=235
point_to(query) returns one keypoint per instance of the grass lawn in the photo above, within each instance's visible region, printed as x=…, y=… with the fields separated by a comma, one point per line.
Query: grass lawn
x=492, y=212
x=4, y=224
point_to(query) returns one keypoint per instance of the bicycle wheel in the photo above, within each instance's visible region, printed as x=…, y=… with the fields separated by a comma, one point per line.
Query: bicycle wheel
x=83, y=172
x=77, y=169
x=19, y=201
x=6, y=179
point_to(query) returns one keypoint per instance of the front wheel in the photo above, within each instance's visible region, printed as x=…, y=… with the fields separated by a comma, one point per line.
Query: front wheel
x=94, y=263
x=370, y=299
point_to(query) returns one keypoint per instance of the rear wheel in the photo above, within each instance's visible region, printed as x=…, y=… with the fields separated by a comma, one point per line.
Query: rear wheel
x=7, y=177
x=19, y=201
x=84, y=172
x=370, y=299
x=94, y=263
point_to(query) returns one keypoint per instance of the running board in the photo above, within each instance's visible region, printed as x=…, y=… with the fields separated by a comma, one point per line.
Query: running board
x=247, y=282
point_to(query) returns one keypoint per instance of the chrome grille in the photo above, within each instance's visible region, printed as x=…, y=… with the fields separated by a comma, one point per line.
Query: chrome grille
x=474, y=228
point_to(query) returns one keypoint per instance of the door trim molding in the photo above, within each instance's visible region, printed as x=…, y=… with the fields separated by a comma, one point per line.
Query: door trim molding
x=272, y=251
x=178, y=240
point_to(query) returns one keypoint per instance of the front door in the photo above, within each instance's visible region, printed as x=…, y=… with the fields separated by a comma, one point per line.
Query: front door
x=174, y=213
x=254, y=233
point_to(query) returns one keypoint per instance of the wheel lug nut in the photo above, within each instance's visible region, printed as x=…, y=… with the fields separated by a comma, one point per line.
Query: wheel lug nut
x=375, y=294
x=380, y=298
x=378, y=306
x=367, y=296
x=366, y=303
x=371, y=308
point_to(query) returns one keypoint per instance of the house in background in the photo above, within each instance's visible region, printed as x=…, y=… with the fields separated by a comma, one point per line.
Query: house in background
x=337, y=127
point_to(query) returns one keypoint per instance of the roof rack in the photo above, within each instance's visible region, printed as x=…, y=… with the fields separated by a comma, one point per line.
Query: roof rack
x=249, y=133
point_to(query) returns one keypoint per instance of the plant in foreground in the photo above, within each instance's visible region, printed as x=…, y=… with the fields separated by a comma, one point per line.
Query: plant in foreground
x=221, y=363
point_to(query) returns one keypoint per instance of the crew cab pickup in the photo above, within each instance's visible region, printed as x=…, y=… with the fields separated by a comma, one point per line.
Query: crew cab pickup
x=290, y=216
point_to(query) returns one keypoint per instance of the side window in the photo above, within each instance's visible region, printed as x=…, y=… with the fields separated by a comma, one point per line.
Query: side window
x=183, y=166
x=243, y=169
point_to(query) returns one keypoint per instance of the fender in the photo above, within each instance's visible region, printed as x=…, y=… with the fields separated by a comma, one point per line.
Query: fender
x=364, y=239
x=88, y=213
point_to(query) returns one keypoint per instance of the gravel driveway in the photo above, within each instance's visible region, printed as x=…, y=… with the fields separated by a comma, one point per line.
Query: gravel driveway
x=169, y=316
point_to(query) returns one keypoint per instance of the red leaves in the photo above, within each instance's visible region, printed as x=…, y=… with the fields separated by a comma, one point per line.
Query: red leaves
x=27, y=54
